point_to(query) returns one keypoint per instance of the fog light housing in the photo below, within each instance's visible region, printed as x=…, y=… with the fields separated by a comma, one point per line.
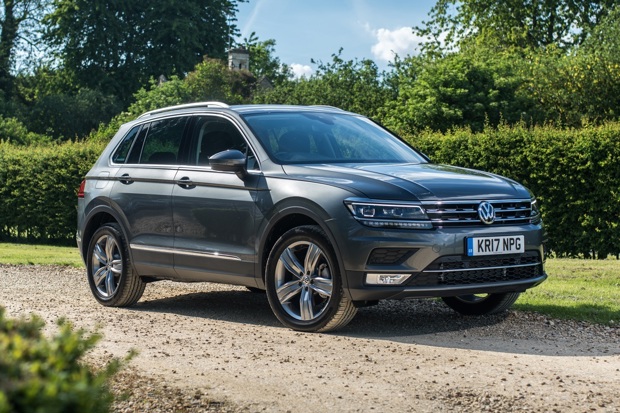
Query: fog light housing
x=386, y=279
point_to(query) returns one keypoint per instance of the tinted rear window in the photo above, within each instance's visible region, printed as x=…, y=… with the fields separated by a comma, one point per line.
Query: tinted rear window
x=157, y=142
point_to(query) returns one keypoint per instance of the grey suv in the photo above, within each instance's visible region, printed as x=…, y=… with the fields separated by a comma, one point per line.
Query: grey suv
x=322, y=208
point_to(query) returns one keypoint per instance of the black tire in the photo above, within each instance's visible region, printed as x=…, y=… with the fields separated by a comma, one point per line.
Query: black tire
x=111, y=277
x=482, y=304
x=303, y=281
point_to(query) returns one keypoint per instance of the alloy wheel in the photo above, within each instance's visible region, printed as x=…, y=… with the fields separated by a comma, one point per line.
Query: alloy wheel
x=107, y=266
x=303, y=281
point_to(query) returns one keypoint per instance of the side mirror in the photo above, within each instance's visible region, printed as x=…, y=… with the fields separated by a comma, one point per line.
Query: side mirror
x=230, y=160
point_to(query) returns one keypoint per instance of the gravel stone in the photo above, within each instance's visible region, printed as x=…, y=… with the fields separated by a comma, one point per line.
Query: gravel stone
x=215, y=348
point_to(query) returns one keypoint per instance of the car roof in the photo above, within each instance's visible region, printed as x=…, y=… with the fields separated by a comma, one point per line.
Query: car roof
x=241, y=109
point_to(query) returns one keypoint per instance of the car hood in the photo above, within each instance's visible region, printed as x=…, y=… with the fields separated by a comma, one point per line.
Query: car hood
x=411, y=181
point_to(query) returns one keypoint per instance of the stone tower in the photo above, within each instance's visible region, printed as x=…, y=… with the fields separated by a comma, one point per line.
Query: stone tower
x=239, y=59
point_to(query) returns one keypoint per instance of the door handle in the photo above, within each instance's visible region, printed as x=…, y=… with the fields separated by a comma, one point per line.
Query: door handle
x=186, y=183
x=126, y=179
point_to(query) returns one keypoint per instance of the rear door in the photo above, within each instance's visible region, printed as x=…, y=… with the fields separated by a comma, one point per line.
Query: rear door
x=150, y=155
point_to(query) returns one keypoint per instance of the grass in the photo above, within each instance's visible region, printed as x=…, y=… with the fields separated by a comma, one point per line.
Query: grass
x=22, y=254
x=583, y=290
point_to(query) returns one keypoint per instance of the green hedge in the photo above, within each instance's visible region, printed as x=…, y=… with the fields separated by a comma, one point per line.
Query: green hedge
x=575, y=175
x=38, y=187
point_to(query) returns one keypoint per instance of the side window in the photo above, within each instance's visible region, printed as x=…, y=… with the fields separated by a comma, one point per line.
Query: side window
x=212, y=135
x=163, y=141
x=120, y=155
x=136, y=149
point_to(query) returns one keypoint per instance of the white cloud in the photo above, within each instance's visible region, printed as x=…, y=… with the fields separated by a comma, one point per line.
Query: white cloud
x=301, y=70
x=390, y=42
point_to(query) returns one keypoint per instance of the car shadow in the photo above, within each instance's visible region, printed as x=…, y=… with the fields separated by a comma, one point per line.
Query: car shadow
x=420, y=322
x=232, y=306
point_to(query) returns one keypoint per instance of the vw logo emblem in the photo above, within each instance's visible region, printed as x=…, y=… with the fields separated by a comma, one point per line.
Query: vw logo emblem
x=486, y=212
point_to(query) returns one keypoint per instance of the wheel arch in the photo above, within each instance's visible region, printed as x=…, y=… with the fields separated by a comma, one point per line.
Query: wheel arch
x=286, y=220
x=98, y=217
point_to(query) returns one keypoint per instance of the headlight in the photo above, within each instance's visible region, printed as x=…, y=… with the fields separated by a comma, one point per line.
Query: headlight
x=535, y=213
x=389, y=215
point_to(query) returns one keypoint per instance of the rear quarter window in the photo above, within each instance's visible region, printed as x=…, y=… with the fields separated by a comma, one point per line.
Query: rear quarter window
x=121, y=153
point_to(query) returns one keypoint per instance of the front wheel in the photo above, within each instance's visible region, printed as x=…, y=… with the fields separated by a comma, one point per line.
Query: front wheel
x=303, y=281
x=481, y=304
x=110, y=274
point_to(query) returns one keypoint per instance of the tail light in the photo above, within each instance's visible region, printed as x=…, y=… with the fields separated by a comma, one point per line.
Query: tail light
x=80, y=192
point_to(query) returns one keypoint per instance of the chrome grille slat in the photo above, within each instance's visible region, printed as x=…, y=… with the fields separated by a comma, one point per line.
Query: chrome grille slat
x=455, y=213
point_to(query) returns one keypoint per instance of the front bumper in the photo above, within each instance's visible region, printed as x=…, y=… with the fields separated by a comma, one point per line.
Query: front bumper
x=437, y=263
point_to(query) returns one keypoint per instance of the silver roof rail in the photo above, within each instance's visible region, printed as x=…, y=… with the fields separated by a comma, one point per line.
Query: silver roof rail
x=185, y=106
x=327, y=107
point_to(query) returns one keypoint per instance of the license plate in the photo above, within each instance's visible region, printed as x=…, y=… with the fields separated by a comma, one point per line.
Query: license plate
x=495, y=245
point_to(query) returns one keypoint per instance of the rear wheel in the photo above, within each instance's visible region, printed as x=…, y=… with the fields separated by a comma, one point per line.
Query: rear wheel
x=481, y=304
x=303, y=281
x=110, y=273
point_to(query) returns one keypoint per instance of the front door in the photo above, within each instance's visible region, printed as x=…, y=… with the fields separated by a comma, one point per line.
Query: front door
x=215, y=213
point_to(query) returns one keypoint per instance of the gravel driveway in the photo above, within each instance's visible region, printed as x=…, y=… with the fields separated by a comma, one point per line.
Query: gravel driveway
x=214, y=347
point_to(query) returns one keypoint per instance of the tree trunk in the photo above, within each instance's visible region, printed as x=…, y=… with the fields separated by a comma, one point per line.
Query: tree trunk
x=8, y=35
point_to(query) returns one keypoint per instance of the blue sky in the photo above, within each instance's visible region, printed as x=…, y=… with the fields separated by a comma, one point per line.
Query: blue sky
x=316, y=29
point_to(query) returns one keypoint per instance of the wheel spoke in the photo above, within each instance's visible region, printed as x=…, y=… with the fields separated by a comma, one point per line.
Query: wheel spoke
x=100, y=275
x=322, y=286
x=100, y=254
x=110, y=245
x=288, y=291
x=110, y=283
x=312, y=257
x=306, y=304
x=117, y=266
x=291, y=263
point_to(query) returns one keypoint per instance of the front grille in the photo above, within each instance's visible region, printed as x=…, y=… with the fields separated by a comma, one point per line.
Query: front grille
x=390, y=256
x=465, y=213
x=459, y=270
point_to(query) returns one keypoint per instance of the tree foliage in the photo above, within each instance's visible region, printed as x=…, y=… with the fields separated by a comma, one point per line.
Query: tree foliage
x=18, y=23
x=117, y=46
x=355, y=85
x=211, y=80
x=15, y=132
x=49, y=102
x=534, y=61
x=525, y=24
x=583, y=86
x=475, y=89
x=263, y=61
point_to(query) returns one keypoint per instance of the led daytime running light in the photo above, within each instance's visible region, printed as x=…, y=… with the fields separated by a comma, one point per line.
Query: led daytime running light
x=380, y=215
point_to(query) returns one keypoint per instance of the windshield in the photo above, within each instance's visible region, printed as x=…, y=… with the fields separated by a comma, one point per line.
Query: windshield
x=318, y=137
